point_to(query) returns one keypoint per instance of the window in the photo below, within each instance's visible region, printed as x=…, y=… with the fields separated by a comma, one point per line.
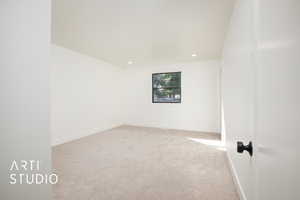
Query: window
x=166, y=87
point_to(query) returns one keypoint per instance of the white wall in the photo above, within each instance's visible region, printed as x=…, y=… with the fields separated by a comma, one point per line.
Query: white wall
x=237, y=92
x=24, y=96
x=200, y=107
x=86, y=95
x=89, y=96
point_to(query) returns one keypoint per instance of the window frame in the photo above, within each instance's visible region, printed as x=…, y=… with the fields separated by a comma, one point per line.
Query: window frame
x=153, y=74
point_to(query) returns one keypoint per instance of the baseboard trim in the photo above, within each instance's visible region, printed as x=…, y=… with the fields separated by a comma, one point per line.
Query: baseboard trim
x=236, y=180
x=177, y=129
x=64, y=141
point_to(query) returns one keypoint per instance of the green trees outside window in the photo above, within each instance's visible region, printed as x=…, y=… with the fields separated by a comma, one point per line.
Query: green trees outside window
x=166, y=87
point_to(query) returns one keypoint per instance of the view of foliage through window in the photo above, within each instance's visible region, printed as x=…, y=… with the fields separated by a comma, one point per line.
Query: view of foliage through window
x=166, y=87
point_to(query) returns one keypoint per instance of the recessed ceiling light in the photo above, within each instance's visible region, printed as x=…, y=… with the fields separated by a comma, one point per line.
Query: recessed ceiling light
x=130, y=62
x=194, y=55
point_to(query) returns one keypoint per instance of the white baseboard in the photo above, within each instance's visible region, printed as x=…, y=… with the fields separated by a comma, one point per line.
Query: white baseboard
x=71, y=138
x=174, y=128
x=236, y=180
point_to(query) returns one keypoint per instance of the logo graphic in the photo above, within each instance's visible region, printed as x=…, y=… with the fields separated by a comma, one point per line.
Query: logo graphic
x=27, y=172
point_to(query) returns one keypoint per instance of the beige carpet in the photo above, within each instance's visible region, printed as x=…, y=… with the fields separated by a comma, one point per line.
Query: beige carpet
x=137, y=163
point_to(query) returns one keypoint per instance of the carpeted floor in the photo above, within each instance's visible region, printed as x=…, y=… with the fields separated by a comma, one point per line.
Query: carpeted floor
x=137, y=163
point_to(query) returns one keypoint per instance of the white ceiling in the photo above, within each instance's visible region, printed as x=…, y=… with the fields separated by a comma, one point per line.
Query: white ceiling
x=142, y=31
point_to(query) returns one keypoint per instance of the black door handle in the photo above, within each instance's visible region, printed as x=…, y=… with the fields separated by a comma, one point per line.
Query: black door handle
x=241, y=147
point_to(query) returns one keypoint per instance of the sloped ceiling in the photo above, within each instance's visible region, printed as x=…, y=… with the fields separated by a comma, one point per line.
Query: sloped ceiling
x=142, y=31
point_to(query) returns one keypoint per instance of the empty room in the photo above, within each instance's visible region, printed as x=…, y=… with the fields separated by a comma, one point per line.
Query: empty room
x=150, y=99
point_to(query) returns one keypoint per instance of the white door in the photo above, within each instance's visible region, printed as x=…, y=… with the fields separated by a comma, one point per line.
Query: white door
x=261, y=97
x=277, y=118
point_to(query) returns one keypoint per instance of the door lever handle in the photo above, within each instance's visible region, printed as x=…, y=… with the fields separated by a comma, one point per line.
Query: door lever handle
x=241, y=147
